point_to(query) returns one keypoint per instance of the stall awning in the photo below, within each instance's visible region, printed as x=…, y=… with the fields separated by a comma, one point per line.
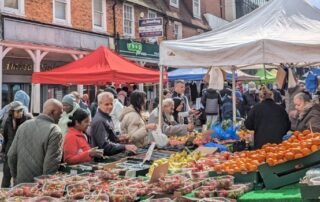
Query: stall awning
x=99, y=67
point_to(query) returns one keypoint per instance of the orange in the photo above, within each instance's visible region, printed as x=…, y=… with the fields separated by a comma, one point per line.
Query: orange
x=314, y=148
x=306, y=151
x=297, y=156
x=289, y=156
x=306, y=132
x=270, y=161
x=316, y=141
x=296, y=133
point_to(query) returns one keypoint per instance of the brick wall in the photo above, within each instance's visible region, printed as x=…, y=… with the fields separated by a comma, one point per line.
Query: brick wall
x=39, y=10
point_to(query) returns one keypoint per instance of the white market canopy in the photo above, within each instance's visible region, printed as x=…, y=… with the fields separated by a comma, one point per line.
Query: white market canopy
x=282, y=31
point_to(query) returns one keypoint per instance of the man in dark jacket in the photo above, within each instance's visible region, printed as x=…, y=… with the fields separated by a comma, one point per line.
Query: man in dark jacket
x=211, y=102
x=36, y=149
x=102, y=129
x=250, y=98
x=269, y=121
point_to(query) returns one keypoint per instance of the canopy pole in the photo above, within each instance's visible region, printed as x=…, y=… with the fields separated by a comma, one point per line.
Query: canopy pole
x=160, y=97
x=234, y=107
x=265, y=73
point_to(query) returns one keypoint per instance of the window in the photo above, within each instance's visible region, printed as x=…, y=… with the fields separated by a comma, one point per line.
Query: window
x=13, y=6
x=99, y=15
x=196, y=9
x=61, y=12
x=174, y=3
x=128, y=20
x=177, y=30
x=152, y=14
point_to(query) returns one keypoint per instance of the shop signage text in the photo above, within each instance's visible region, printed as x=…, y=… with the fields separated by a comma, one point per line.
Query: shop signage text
x=138, y=49
x=152, y=27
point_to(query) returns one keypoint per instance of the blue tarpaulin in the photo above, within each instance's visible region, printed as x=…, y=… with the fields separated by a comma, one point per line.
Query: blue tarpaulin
x=194, y=74
x=312, y=81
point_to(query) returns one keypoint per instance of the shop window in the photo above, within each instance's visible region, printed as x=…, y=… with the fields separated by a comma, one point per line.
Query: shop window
x=196, y=9
x=174, y=3
x=152, y=14
x=13, y=6
x=177, y=30
x=61, y=12
x=99, y=15
x=128, y=20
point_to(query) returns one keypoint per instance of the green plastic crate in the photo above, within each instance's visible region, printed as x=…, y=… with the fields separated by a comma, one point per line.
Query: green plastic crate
x=310, y=192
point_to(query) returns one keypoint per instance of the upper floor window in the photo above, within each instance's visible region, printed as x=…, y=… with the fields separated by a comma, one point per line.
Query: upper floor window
x=99, y=15
x=13, y=6
x=61, y=12
x=196, y=9
x=174, y=3
x=128, y=20
x=152, y=14
x=177, y=30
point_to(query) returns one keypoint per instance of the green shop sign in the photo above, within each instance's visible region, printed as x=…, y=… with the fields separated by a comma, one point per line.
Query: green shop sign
x=138, y=49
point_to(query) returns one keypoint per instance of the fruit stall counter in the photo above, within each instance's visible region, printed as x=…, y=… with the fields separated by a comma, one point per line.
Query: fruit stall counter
x=289, y=193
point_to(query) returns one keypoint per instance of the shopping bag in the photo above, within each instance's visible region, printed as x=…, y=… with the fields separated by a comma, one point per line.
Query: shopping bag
x=160, y=139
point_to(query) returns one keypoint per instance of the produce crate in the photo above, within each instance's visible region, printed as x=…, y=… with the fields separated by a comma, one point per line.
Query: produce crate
x=310, y=192
x=77, y=169
x=289, y=172
x=252, y=177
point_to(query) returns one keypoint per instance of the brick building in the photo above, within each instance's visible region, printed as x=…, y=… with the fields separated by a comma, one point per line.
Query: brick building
x=37, y=35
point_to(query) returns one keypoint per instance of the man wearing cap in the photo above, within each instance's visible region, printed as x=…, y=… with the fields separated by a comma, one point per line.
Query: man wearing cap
x=69, y=107
x=116, y=111
x=16, y=117
x=250, y=98
x=36, y=149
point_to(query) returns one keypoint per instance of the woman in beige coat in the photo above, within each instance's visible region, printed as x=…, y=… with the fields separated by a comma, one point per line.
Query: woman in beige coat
x=132, y=122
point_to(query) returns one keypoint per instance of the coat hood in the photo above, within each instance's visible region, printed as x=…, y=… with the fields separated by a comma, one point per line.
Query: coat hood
x=125, y=111
x=22, y=97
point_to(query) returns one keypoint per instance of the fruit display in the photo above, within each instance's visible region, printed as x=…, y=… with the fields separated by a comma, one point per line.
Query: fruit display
x=18, y=199
x=171, y=183
x=159, y=200
x=106, y=175
x=25, y=190
x=44, y=178
x=43, y=199
x=78, y=191
x=245, y=134
x=233, y=192
x=215, y=199
x=123, y=195
x=205, y=192
x=97, y=198
x=54, y=188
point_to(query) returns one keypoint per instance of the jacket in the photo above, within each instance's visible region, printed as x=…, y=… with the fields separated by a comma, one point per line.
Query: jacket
x=211, y=101
x=36, y=149
x=310, y=117
x=249, y=101
x=269, y=121
x=9, y=132
x=76, y=147
x=133, y=125
x=115, y=114
x=186, y=109
x=65, y=119
x=103, y=136
x=169, y=127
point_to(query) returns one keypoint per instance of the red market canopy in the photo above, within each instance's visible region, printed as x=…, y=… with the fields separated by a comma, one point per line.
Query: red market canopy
x=99, y=67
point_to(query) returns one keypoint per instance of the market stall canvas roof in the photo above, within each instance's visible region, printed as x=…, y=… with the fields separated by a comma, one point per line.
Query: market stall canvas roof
x=281, y=31
x=99, y=67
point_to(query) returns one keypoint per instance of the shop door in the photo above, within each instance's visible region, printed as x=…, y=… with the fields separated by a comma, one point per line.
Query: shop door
x=9, y=90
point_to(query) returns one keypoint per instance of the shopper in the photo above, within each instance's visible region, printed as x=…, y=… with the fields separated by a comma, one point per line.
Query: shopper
x=20, y=96
x=250, y=98
x=69, y=107
x=132, y=122
x=79, y=101
x=94, y=104
x=211, y=102
x=177, y=110
x=15, y=119
x=179, y=90
x=36, y=149
x=76, y=148
x=102, y=130
x=269, y=121
x=116, y=110
x=306, y=114
x=170, y=126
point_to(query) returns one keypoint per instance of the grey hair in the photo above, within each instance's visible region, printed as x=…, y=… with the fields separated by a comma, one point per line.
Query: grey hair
x=303, y=96
x=104, y=94
x=167, y=102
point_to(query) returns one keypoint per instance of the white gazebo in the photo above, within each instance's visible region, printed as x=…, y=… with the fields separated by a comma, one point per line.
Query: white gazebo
x=281, y=31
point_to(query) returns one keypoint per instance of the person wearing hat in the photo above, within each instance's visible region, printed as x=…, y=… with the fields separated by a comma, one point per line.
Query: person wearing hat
x=15, y=119
x=250, y=98
x=69, y=107
x=116, y=111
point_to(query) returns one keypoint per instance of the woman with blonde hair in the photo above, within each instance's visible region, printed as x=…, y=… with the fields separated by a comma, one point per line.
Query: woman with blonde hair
x=269, y=121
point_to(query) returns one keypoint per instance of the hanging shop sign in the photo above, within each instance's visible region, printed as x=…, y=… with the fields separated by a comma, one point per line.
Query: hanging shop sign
x=152, y=27
x=138, y=49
